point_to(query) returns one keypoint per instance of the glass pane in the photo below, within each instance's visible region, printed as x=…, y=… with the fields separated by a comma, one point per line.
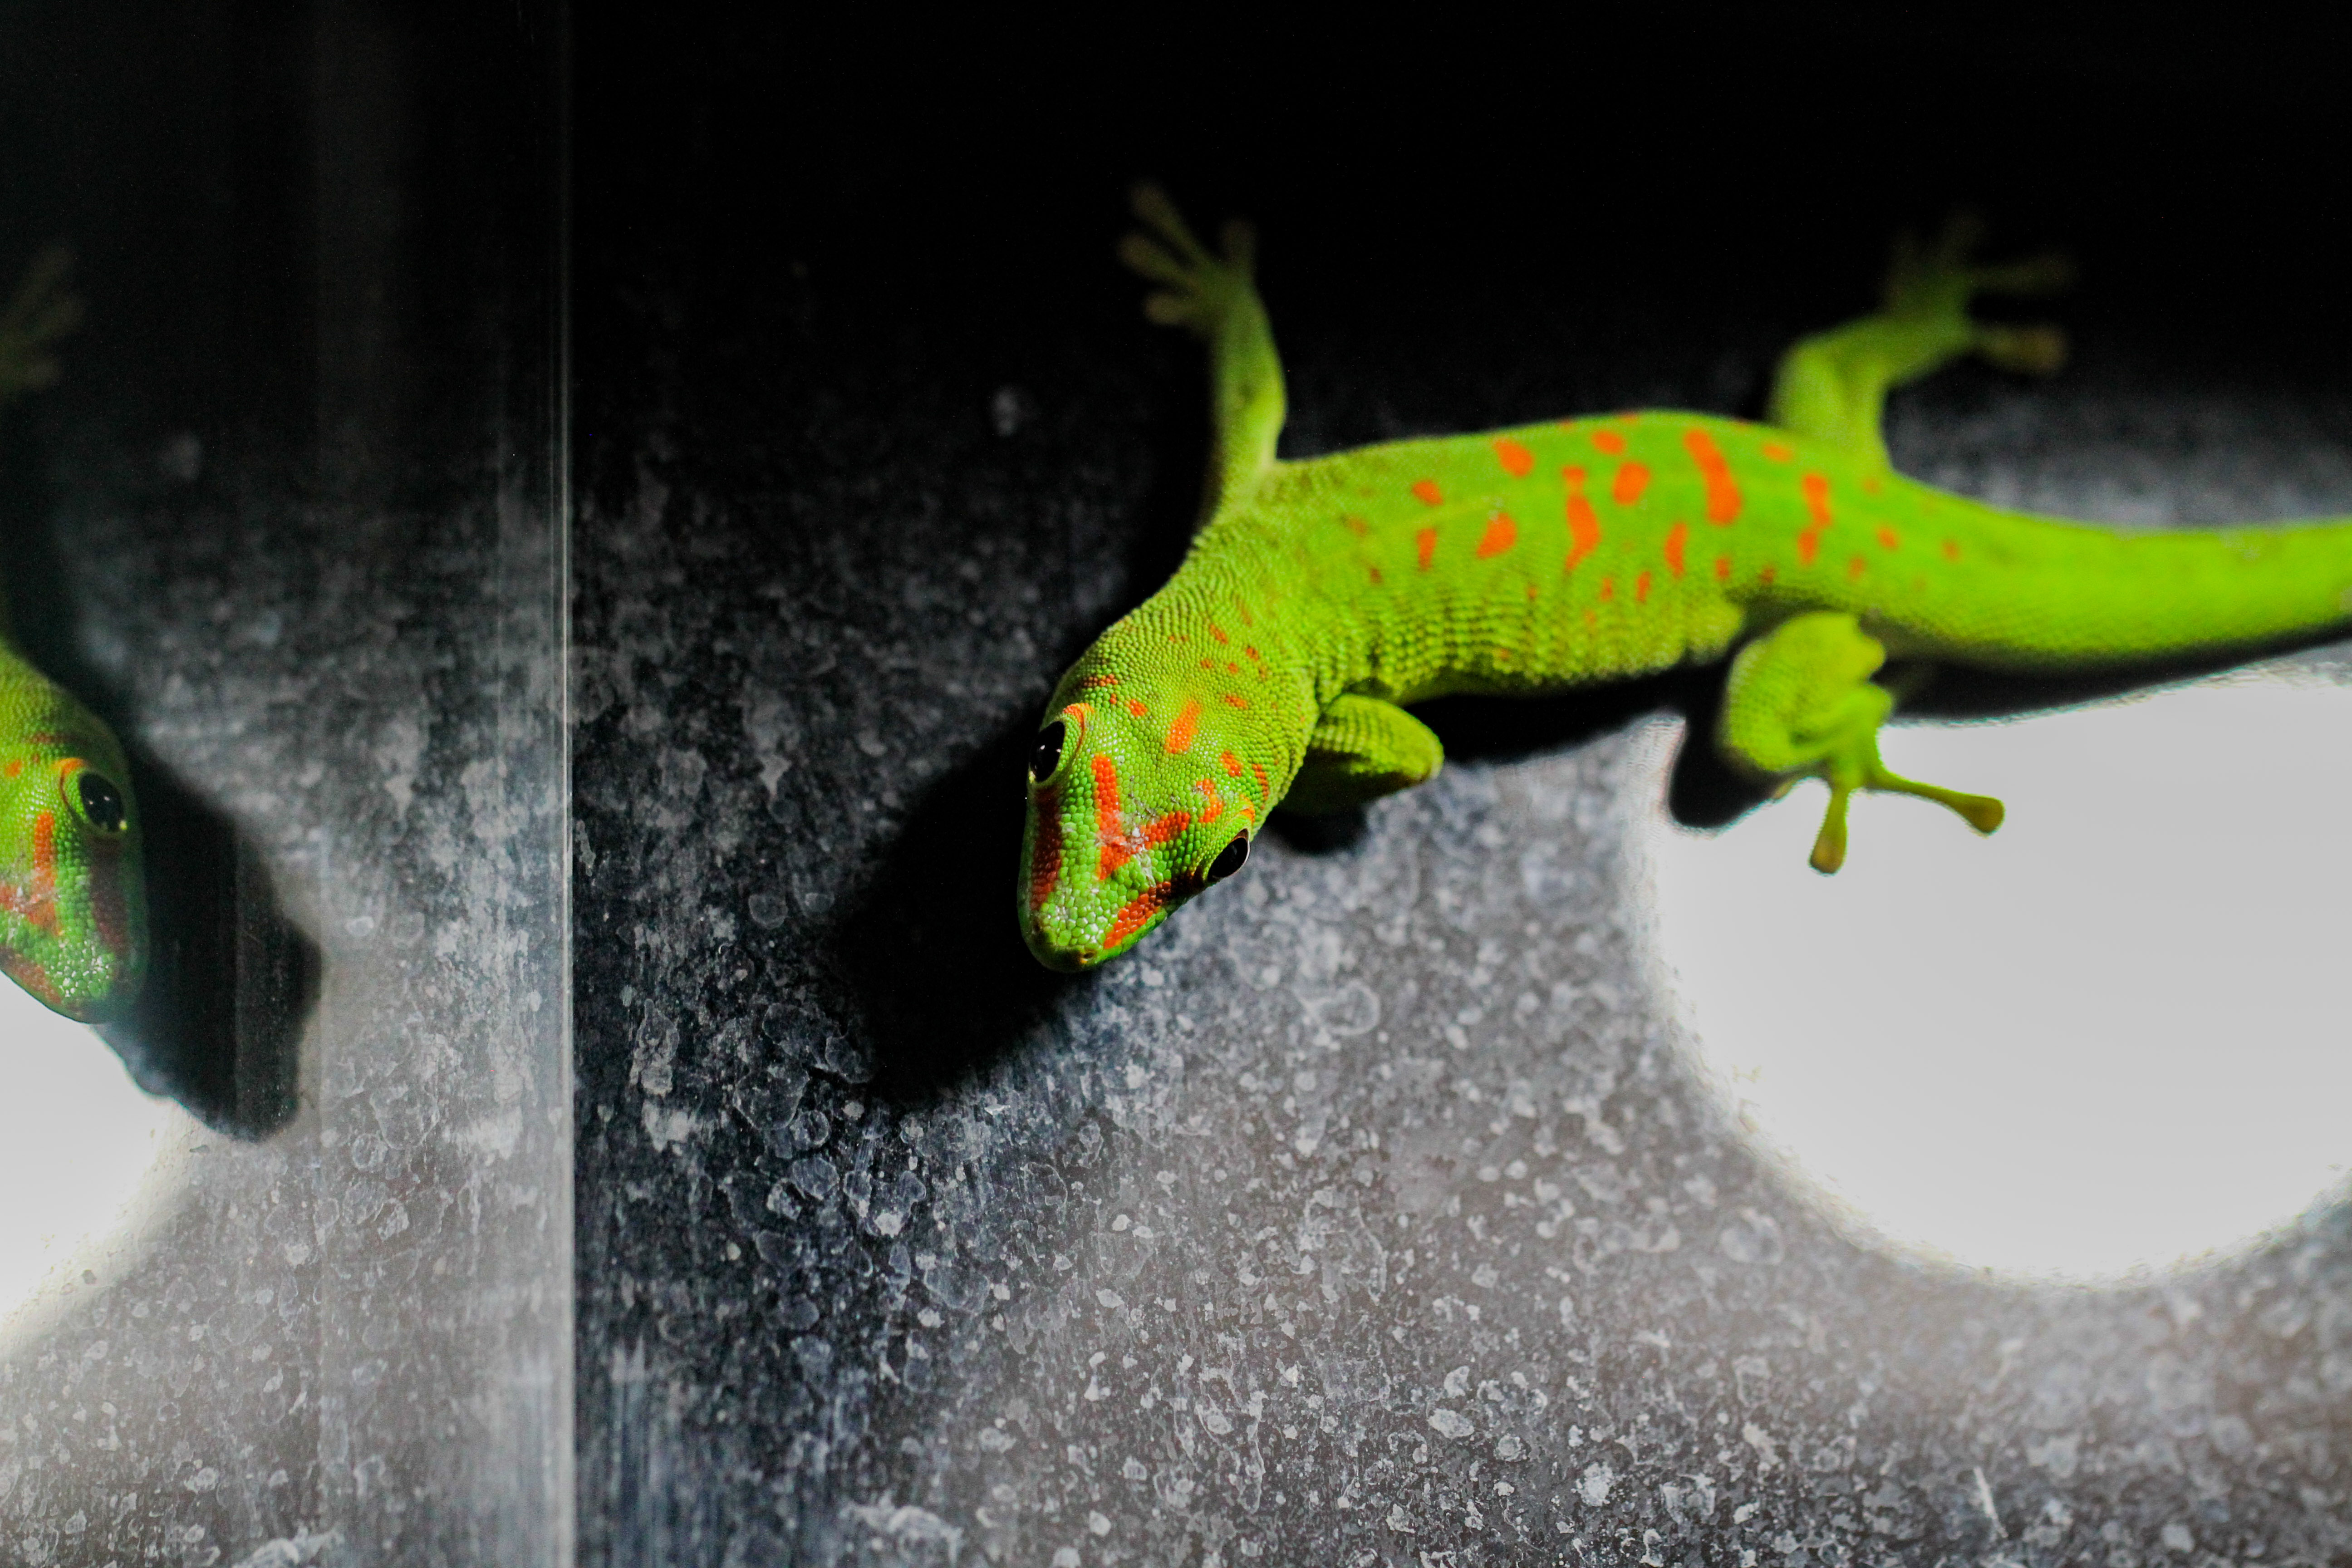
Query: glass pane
x=286, y=1258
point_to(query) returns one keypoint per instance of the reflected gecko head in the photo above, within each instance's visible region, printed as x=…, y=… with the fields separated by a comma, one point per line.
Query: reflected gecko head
x=1146, y=785
x=73, y=902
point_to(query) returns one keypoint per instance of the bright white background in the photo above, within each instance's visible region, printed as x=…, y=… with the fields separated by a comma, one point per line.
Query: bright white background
x=77, y=1141
x=2117, y=1033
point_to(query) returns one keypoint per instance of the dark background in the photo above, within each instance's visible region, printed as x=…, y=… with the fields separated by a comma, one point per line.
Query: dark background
x=870, y=440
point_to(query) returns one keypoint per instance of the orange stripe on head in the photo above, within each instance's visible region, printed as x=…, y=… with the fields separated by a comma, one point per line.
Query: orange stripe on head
x=1609, y=441
x=1232, y=763
x=1677, y=538
x=1428, y=491
x=1180, y=733
x=1217, y=807
x=1516, y=460
x=1137, y=913
x=1633, y=478
x=1161, y=830
x=1501, y=534
x=1235, y=700
x=1108, y=833
x=1778, y=453
x=1424, y=545
x=45, y=869
x=1722, y=495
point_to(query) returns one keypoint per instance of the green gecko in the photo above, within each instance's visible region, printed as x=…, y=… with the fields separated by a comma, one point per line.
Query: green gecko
x=1320, y=597
x=73, y=905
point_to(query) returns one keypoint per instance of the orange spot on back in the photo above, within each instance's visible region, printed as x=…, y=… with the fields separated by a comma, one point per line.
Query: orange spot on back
x=1583, y=527
x=1180, y=733
x=1817, y=501
x=1424, y=545
x=1777, y=452
x=1218, y=632
x=1135, y=708
x=1608, y=589
x=1609, y=441
x=1856, y=567
x=1722, y=495
x=1951, y=551
x=1428, y=491
x=1375, y=573
x=1870, y=487
x=1766, y=572
x=1633, y=478
x=1091, y=683
x=1677, y=537
x=1723, y=568
x=1236, y=700
x=1889, y=538
x=15, y=767
x=1516, y=460
x=1642, y=589
x=1356, y=525
x=1501, y=534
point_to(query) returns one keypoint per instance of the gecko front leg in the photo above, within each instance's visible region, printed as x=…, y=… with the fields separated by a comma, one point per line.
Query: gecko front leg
x=1800, y=702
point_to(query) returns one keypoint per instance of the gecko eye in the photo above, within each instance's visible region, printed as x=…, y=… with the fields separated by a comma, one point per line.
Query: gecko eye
x=1048, y=755
x=1230, y=859
x=99, y=802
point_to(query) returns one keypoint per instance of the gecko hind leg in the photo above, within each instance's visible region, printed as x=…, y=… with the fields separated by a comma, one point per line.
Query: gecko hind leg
x=1834, y=384
x=1800, y=702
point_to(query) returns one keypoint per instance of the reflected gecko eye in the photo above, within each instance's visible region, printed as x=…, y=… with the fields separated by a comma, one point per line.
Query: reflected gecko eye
x=100, y=803
x=1048, y=755
x=1231, y=858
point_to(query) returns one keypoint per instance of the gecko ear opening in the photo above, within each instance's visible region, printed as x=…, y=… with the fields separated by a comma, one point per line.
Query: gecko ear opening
x=1231, y=858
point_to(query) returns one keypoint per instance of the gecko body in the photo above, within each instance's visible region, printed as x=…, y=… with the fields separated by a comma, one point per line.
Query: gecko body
x=1320, y=597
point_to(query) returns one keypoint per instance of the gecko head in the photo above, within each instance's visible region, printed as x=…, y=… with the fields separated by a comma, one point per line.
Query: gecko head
x=1142, y=792
x=73, y=906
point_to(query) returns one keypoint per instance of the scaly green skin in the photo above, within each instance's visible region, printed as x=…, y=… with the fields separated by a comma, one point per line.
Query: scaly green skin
x=73, y=904
x=1320, y=596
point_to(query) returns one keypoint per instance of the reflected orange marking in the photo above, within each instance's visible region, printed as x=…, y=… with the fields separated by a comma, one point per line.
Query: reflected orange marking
x=1633, y=478
x=1424, y=545
x=1501, y=534
x=1428, y=491
x=1889, y=538
x=1516, y=460
x=1722, y=495
x=1777, y=452
x=1609, y=441
x=1817, y=501
x=1180, y=733
x=1583, y=527
x=1677, y=537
